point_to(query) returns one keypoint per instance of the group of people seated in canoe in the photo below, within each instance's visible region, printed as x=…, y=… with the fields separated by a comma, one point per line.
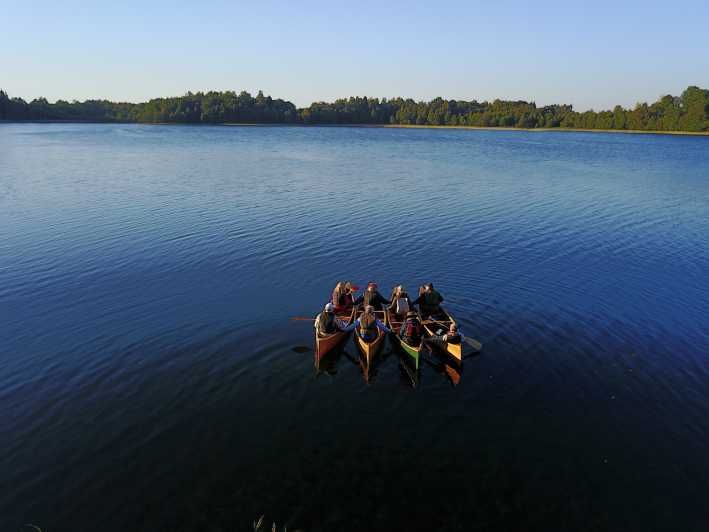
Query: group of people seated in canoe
x=399, y=305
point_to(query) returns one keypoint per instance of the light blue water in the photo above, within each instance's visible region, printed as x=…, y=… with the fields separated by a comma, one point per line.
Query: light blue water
x=148, y=380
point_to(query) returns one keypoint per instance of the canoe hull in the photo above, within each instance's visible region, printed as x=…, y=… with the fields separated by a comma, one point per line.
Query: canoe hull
x=371, y=349
x=413, y=351
x=327, y=343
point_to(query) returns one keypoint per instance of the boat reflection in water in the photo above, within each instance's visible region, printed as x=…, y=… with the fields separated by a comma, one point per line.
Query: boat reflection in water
x=370, y=366
x=409, y=376
x=328, y=363
x=445, y=365
x=451, y=370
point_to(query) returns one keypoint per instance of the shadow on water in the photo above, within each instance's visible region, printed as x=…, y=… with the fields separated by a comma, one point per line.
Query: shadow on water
x=441, y=363
x=444, y=365
x=301, y=349
x=408, y=373
x=328, y=363
x=370, y=370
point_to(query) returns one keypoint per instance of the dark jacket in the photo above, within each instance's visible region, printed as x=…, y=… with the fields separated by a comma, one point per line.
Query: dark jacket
x=371, y=298
x=327, y=323
x=430, y=299
x=453, y=338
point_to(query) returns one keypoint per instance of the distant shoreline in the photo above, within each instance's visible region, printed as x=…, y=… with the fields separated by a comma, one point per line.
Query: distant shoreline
x=382, y=126
x=479, y=128
x=553, y=129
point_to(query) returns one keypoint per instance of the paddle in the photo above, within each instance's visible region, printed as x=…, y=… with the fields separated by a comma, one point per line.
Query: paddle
x=471, y=342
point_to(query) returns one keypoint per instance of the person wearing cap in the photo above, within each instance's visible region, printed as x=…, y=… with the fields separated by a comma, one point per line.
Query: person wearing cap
x=326, y=322
x=451, y=337
x=371, y=296
x=429, y=300
x=368, y=325
x=411, y=330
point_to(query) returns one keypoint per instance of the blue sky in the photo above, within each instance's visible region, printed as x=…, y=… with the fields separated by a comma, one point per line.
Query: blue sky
x=589, y=54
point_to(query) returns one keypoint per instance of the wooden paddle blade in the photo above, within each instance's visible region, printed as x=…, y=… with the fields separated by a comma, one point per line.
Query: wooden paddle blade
x=474, y=344
x=302, y=318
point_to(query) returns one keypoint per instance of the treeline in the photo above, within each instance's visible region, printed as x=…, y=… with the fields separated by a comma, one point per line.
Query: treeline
x=688, y=112
x=202, y=107
x=217, y=107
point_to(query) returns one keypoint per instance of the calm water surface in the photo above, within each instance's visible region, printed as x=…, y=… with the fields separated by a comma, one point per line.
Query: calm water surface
x=148, y=376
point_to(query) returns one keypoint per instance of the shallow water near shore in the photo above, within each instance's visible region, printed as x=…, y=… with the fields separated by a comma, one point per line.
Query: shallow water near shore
x=150, y=377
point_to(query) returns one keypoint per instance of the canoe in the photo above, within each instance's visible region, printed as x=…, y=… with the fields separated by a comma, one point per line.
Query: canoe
x=413, y=351
x=370, y=350
x=327, y=342
x=431, y=326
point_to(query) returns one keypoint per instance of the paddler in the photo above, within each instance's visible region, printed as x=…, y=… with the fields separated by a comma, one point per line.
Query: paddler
x=411, y=330
x=400, y=302
x=342, y=296
x=371, y=297
x=451, y=337
x=429, y=301
x=368, y=325
x=326, y=322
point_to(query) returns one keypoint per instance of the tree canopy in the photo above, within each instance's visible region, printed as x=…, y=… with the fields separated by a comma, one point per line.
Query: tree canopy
x=688, y=112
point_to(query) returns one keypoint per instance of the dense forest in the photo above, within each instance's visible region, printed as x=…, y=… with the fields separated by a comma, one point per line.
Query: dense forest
x=688, y=112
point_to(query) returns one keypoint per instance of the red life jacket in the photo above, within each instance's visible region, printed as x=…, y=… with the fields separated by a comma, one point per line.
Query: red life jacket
x=412, y=328
x=341, y=301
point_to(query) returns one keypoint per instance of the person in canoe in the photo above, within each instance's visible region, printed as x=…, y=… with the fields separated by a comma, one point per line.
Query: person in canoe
x=342, y=296
x=371, y=296
x=368, y=325
x=450, y=337
x=411, y=330
x=326, y=322
x=429, y=301
x=400, y=302
x=350, y=290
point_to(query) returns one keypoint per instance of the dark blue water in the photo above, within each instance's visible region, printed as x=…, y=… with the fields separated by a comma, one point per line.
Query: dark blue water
x=148, y=377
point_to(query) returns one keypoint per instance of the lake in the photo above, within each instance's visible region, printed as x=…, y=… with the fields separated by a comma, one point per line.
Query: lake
x=151, y=377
